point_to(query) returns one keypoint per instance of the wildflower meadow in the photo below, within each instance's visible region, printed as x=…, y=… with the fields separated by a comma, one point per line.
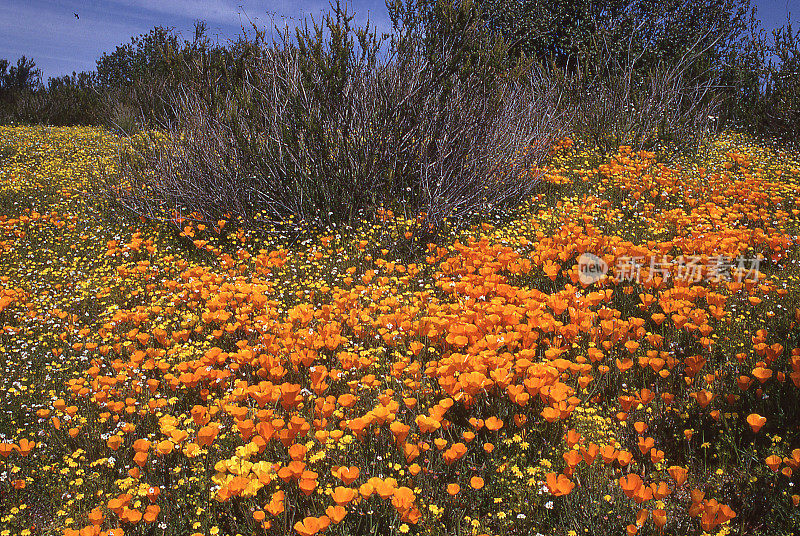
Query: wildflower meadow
x=178, y=376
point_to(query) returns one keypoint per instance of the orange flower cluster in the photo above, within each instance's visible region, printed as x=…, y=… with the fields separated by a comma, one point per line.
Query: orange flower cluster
x=313, y=387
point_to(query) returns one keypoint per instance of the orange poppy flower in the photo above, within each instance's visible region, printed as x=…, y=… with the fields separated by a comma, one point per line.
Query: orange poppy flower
x=131, y=516
x=756, y=421
x=703, y=397
x=24, y=447
x=6, y=449
x=656, y=455
x=646, y=444
x=152, y=493
x=590, y=453
x=151, y=513
x=206, y=435
x=346, y=400
x=179, y=436
x=308, y=483
x=660, y=491
x=624, y=364
x=245, y=428
x=559, y=484
x=384, y=488
x=493, y=424
x=411, y=451
x=794, y=461
x=200, y=415
x=630, y=484
x=678, y=473
x=366, y=490
x=114, y=442
x=476, y=482
x=762, y=374
x=336, y=513
x=427, y=424
x=572, y=457
x=456, y=452
x=96, y=517
x=608, y=453
x=297, y=451
x=276, y=505
x=348, y=475
x=624, y=457
x=551, y=414
x=659, y=518
x=140, y=458
x=165, y=447
x=342, y=495
x=312, y=525
x=572, y=437
x=631, y=346
x=774, y=462
x=403, y=498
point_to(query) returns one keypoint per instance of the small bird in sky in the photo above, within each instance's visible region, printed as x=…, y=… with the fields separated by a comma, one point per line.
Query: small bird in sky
x=76, y=15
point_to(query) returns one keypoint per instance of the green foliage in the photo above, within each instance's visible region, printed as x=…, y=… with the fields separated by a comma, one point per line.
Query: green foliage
x=560, y=32
x=783, y=89
x=130, y=86
x=139, y=78
x=20, y=77
x=147, y=55
x=589, y=31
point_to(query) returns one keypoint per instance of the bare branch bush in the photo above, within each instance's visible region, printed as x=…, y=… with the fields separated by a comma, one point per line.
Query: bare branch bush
x=321, y=130
x=323, y=133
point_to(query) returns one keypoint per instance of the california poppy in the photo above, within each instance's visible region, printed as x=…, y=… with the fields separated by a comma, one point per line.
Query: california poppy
x=678, y=473
x=311, y=525
x=559, y=484
x=342, y=495
x=336, y=513
x=756, y=421
x=348, y=475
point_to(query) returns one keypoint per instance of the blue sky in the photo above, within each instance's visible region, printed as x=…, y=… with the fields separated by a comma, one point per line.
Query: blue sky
x=59, y=43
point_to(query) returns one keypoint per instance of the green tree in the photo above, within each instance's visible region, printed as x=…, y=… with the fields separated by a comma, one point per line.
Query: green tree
x=589, y=32
x=146, y=56
x=16, y=78
x=782, y=92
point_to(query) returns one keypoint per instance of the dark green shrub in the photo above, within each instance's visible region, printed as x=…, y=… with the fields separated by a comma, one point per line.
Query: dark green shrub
x=782, y=94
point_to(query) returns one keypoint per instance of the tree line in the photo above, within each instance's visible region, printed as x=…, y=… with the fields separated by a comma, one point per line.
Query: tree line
x=754, y=73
